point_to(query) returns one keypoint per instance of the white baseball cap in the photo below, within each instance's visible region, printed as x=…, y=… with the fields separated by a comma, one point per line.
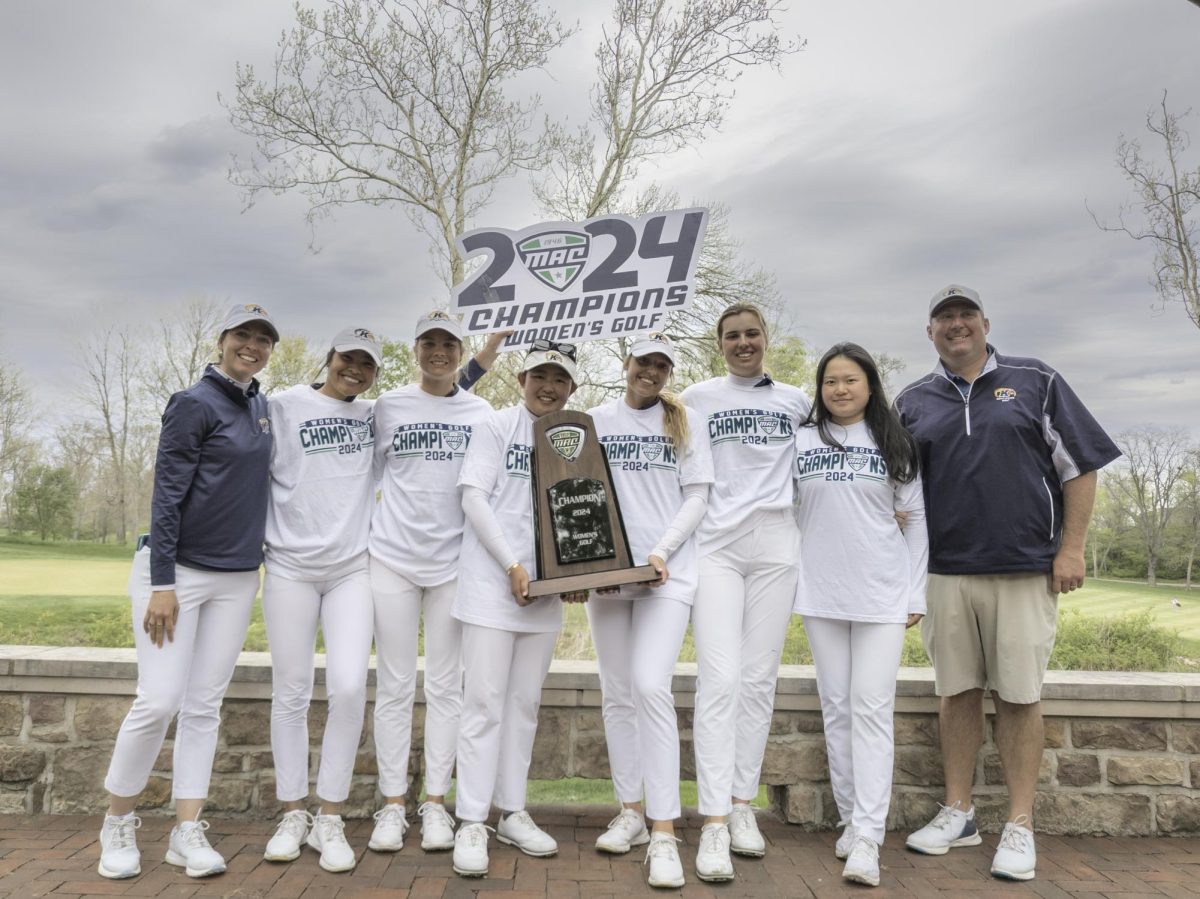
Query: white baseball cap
x=358, y=339
x=954, y=292
x=241, y=313
x=551, y=357
x=653, y=342
x=441, y=321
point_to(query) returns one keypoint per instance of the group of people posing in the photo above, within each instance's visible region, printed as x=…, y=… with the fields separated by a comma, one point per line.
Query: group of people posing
x=748, y=502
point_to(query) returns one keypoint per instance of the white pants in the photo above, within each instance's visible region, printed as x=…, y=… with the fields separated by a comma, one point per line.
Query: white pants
x=637, y=645
x=503, y=675
x=739, y=621
x=398, y=606
x=291, y=610
x=857, y=662
x=188, y=676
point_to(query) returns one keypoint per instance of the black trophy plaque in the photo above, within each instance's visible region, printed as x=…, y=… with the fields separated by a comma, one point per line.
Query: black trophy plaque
x=577, y=527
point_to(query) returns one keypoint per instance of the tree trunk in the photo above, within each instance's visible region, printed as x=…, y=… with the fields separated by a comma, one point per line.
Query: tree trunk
x=1152, y=569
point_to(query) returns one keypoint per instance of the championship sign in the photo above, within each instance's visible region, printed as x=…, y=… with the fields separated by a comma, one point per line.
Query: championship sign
x=608, y=276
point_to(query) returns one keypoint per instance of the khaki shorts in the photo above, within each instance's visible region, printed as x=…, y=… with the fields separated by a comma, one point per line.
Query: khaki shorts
x=990, y=631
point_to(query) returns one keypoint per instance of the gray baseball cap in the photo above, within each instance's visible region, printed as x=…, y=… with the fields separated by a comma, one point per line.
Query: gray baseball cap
x=438, y=320
x=954, y=292
x=358, y=339
x=241, y=313
x=653, y=342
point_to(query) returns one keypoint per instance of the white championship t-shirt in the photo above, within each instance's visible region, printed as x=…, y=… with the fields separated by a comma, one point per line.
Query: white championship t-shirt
x=858, y=566
x=498, y=464
x=322, y=489
x=422, y=440
x=750, y=431
x=648, y=476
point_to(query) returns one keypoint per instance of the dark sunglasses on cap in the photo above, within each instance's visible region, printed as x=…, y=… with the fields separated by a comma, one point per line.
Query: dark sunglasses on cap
x=544, y=345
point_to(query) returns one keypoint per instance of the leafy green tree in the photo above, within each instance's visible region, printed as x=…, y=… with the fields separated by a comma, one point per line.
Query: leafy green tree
x=45, y=501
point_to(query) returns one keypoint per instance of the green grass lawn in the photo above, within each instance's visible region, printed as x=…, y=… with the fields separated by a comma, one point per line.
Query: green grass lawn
x=74, y=594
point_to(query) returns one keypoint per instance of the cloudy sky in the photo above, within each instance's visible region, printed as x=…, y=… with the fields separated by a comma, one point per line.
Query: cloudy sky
x=909, y=145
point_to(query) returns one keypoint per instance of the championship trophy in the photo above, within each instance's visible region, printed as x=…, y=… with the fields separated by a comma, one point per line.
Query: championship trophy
x=578, y=532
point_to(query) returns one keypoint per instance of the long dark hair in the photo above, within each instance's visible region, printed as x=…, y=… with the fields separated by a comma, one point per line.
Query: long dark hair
x=896, y=445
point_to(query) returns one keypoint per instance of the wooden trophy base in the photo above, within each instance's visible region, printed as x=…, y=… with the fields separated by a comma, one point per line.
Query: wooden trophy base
x=574, y=582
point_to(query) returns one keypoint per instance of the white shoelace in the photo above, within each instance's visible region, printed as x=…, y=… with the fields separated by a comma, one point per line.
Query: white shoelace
x=393, y=815
x=122, y=835
x=864, y=847
x=295, y=823
x=192, y=834
x=662, y=847
x=942, y=818
x=710, y=840
x=523, y=818
x=627, y=818
x=435, y=808
x=475, y=835
x=1014, y=837
x=332, y=828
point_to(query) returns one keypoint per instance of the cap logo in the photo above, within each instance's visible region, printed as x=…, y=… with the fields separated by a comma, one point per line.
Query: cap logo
x=566, y=440
x=364, y=334
x=658, y=336
x=437, y=315
x=1005, y=394
x=256, y=309
x=555, y=258
x=554, y=357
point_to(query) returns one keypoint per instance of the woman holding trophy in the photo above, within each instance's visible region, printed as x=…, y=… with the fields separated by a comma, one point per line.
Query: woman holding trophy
x=508, y=637
x=661, y=468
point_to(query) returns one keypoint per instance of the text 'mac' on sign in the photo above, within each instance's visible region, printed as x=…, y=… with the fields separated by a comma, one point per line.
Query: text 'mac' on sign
x=608, y=276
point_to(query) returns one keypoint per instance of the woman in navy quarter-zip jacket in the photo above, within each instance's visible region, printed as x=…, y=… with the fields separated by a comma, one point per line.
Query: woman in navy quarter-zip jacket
x=192, y=590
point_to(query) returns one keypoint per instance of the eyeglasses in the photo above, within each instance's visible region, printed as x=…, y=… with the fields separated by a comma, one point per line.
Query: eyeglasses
x=544, y=345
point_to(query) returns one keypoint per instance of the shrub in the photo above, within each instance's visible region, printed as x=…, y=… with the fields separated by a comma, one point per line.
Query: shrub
x=1132, y=642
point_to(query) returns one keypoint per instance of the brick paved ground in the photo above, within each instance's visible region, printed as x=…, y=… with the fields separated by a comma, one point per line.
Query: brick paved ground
x=56, y=856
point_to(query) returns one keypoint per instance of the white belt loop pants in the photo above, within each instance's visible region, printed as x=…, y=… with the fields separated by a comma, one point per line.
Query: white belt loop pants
x=291, y=611
x=856, y=665
x=398, y=607
x=739, y=621
x=503, y=676
x=637, y=645
x=188, y=676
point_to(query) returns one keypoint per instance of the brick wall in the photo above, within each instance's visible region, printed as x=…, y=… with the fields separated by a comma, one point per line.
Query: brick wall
x=1122, y=751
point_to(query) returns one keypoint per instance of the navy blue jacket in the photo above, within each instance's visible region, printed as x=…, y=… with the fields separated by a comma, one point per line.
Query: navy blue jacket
x=993, y=463
x=210, y=480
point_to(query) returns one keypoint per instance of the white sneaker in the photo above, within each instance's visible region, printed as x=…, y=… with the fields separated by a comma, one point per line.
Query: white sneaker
x=328, y=837
x=470, y=850
x=744, y=838
x=713, y=864
x=1015, y=857
x=390, y=824
x=862, y=866
x=624, y=832
x=950, y=828
x=841, y=849
x=189, y=849
x=119, y=856
x=437, y=827
x=517, y=829
x=289, y=836
x=666, y=870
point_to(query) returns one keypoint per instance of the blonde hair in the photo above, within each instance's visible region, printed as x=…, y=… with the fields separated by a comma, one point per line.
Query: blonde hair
x=675, y=421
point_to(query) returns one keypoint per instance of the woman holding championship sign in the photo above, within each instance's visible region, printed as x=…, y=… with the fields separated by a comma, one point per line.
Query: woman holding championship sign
x=322, y=493
x=661, y=468
x=749, y=559
x=424, y=430
x=508, y=637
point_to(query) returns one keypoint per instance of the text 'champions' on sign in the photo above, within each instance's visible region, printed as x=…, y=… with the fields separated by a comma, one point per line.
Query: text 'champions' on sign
x=609, y=276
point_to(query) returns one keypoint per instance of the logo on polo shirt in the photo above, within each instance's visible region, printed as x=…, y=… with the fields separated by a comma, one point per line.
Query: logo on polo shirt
x=1005, y=394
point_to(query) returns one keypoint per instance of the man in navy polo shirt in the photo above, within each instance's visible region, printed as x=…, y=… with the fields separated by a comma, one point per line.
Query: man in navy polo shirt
x=1009, y=457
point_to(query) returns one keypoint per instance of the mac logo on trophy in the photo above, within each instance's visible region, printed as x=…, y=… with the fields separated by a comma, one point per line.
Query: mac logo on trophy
x=580, y=538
